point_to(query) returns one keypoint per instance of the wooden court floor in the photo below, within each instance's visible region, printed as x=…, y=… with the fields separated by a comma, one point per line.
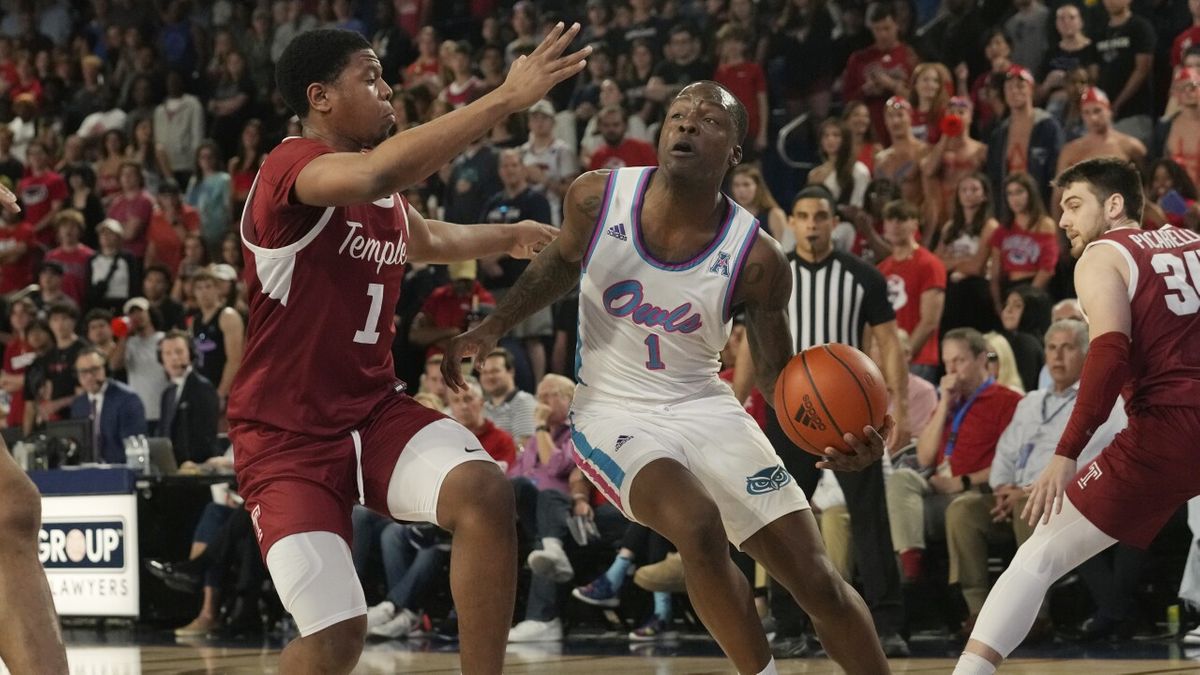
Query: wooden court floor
x=196, y=659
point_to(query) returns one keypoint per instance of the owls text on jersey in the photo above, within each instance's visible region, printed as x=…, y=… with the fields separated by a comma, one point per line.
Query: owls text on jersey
x=651, y=331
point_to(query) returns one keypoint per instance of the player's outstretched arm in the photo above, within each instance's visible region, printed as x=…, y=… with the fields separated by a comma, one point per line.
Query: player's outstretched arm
x=551, y=274
x=1101, y=277
x=345, y=178
x=436, y=241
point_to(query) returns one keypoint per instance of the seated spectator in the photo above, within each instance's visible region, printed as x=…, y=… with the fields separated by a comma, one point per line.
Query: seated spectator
x=114, y=409
x=1028, y=140
x=506, y=405
x=156, y=287
x=11, y=168
x=50, y=390
x=432, y=383
x=550, y=564
x=954, y=450
x=922, y=396
x=218, y=333
x=137, y=354
x=592, y=137
x=857, y=118
x=414, y=556
x=1023, y=450
x=17, y=247
x=71, y=254
x=1024, y=320
x=170, y=224
x=466, y=407
x=901, y=162
x=113, y=275
x=845, y=177
x=1002, y=364
x=209, y=191
x=954, y=157
x=451, y=309
x=546, y=459
x=638, y=544
x=685, y=64
x=189, y=405
x=81, y=185
x=50, y=288
x=619, y=148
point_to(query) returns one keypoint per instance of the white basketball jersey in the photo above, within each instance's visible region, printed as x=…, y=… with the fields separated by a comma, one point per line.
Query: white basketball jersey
x=650, y=331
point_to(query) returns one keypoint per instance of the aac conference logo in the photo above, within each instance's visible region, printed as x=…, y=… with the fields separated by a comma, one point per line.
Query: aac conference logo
x=82, y=546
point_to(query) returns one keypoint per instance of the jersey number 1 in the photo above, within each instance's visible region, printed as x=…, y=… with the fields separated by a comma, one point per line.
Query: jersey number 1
x=1186, y=298
x=655, y=360
x=368, y=335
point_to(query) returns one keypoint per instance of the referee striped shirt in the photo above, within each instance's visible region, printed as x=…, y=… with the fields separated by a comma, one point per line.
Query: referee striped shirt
x=834, y=300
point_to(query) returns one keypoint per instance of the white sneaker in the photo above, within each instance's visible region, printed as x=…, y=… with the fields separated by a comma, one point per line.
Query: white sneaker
x=380, y=614
x=1192, y=637
x=398, y=627
x=552, y=563
x=536, y=631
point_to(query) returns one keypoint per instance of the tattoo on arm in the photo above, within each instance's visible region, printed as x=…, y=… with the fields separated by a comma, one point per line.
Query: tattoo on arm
x=547, y=278
x=767, y=321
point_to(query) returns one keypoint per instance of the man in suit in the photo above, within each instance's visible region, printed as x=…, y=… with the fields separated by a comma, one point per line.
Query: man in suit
x=189, y=405
x=115, y=410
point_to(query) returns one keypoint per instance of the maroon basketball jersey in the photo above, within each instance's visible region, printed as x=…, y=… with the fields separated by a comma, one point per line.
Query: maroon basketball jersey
x=1164, y=302
x=322, y=286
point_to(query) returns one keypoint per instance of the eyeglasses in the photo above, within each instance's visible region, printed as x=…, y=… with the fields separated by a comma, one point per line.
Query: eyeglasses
x=993, y=357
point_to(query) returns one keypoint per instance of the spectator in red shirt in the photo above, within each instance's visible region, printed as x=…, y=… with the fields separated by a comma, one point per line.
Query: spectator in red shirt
x=71, y=254
x=466, y=407
x=957, y=444
x=451, y=309
x=1025, y=250
x=617, y=150
x=42, y=192
x=19, y=354
x=882, y=70
x=16, y=252
x=133, y=208
x=1188, y=38
x=170, y=224
x=745, y=80
x=916, y=283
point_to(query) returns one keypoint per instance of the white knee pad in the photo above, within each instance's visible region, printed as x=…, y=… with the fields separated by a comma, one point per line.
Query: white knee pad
x=315, y=578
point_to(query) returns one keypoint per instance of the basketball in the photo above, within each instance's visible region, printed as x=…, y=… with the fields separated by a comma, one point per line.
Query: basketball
x=827, y=391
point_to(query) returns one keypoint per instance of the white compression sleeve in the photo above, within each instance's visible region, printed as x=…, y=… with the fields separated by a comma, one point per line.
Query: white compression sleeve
x=1054, y=549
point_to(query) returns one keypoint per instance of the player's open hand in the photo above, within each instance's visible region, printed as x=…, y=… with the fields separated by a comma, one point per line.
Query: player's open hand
x=532, y=76
x=477, y=342
x=1049, y=490
x=530, y=237
x=863, y=451
x=8, y=200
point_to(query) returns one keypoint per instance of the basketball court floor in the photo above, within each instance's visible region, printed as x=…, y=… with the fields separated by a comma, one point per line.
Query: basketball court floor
x=124, y=651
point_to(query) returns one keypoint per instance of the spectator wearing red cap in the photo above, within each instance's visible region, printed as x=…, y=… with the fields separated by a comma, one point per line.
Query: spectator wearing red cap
x=882, y=70
x=1028, y=140
x=955, y=156
x=1101, y=138
x=1182, y=145
x=1190, y=37
x=901, y=162
x=1126, y=48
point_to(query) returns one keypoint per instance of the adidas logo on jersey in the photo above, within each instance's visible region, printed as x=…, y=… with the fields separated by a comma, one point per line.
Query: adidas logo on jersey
x=618, y=231
x=621, y=440
x=807, y=415
x=769, y=479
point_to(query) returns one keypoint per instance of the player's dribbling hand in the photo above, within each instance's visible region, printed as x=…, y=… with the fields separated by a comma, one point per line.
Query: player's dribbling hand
x=531, y=76
x=1049, y=490
x=477, y=342
x=530, y=237
x=8, y=200
x=863, y=453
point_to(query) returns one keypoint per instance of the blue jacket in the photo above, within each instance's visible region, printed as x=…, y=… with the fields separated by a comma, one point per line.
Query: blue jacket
x=122, y=415
x=1045, y=142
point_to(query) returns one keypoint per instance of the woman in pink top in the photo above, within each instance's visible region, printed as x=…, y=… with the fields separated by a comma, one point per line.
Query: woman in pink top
x=1024, y=251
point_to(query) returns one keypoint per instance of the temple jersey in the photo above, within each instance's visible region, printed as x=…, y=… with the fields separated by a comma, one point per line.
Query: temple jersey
x=1164, y=301
x=322, y=285
x=651, y=332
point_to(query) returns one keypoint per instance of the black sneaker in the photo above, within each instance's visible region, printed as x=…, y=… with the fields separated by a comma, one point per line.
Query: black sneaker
x=177, y=576
x=447, y=629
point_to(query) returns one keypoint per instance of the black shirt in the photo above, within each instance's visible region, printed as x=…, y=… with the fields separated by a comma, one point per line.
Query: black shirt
x=500, y=208
x=1117, y=47
x=57, y=366
x=209, y=342
x=674, y=73
x=836, y=299
x=1058, y=58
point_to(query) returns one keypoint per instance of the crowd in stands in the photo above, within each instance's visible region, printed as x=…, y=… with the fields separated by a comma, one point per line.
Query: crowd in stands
x=926, y=132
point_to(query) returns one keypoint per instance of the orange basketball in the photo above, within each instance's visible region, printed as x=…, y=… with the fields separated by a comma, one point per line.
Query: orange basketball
x=826, y=391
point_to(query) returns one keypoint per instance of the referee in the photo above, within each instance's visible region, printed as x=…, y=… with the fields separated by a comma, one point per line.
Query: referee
x=838, y=297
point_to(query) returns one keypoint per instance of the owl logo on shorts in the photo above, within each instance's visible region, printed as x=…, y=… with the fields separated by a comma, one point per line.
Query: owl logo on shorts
x=769, y=479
